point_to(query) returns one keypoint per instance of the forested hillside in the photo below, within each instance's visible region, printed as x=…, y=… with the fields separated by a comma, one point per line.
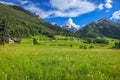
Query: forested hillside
x=101, y=28
x=24, y=24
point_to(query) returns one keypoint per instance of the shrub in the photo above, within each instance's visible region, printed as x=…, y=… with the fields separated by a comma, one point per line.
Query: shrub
x=51, y=36
x=91, y=46
x=97, y=40
x=116, y=45
x=89, y=40
x=71, y=45
x=101, y=41
x=34, y=41
x=83, y=47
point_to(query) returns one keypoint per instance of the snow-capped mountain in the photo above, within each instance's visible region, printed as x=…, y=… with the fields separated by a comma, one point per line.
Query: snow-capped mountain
x=118, y=22
x=53, y=23
x=70, y=25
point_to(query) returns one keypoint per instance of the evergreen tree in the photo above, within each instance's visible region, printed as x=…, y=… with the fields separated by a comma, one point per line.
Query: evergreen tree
x=4, y=31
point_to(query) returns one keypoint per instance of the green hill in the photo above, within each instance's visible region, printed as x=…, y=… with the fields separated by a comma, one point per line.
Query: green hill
x=101, y=28
x=24, y=24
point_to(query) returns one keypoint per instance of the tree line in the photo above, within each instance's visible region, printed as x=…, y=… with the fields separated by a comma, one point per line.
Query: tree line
x=97, y=40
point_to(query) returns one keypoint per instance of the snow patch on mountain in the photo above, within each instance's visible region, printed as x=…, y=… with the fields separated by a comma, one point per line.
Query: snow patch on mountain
x=70, y=25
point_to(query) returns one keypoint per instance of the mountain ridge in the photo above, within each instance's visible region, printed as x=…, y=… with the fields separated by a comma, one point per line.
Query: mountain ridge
x=100, y=28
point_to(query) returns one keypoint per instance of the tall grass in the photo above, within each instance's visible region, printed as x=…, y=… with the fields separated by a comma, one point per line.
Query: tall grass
x=18, y=62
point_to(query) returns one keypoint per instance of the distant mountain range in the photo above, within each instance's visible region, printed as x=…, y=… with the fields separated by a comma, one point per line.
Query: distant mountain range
x=23, y=23
x=100, y=28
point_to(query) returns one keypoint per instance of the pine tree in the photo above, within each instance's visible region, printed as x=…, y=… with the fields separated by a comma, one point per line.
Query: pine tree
x=4, y=31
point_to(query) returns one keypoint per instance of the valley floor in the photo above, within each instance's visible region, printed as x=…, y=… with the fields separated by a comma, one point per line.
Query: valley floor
x=34, y=62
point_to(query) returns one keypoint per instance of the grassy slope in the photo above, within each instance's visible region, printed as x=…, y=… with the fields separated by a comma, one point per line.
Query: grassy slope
x=43, y=62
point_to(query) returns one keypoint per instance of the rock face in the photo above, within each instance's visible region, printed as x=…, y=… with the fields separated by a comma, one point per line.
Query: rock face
x=71, y=26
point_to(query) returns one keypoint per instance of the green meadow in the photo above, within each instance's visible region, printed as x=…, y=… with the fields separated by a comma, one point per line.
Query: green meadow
x=58, y=60
x=41, y=49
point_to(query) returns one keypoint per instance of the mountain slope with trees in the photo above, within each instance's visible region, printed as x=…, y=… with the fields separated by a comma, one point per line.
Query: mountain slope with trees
x=24, y=24
x=101, y=28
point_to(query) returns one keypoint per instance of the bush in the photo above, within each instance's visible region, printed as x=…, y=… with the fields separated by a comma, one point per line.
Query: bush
x=89, y=40
x=116, y=45
x=91, y=46
x=51, y=36
x=97, y=40
x=101, y=41
x=34, y=41
x=83, y=47
x=71, y=45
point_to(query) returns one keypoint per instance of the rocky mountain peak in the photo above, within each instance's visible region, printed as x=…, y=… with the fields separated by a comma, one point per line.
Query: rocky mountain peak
x=71, y=26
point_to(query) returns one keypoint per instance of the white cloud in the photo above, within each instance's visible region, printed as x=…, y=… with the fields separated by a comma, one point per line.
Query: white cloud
x=7, y=3
x=107, y=11
x=61, y=4
x=116, y=15
x=101, y=6
x=72, y=8
x=108, y=5
x=33, y=8
x=64, y=8
x=109, y=1
x=22, y=2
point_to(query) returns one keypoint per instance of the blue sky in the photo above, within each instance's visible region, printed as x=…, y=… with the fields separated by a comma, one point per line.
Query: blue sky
x=81, y=12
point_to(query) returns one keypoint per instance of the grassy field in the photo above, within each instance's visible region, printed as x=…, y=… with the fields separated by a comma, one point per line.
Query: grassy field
x=45, y=62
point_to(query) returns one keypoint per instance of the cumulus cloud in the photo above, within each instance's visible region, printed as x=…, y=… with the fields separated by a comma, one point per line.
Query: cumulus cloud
x=72, y=8
x=108, y=4
x=109, y=1
x=7, y=3
x=65, y=5
x=116, y=15
x=101, y=6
